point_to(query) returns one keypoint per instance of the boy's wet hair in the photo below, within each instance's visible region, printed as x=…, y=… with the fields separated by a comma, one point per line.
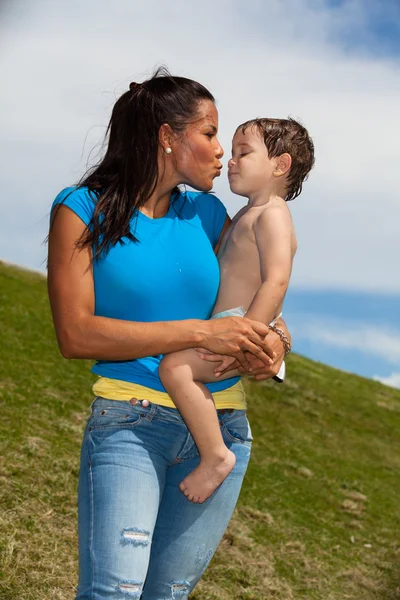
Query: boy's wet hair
x=287, y=135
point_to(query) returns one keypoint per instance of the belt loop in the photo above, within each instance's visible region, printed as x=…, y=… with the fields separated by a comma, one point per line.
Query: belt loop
x=152, y=412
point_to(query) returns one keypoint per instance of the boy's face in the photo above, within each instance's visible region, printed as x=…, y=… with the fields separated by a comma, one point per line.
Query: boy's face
x=250, y=170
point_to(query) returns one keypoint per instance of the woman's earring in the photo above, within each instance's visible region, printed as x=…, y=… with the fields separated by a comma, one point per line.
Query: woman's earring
x=168, y=151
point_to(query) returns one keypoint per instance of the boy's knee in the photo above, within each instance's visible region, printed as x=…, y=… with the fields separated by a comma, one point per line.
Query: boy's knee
x=174, y=371
x=169, y=366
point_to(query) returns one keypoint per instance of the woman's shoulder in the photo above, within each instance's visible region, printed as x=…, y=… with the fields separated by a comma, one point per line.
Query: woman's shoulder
x=79, y=199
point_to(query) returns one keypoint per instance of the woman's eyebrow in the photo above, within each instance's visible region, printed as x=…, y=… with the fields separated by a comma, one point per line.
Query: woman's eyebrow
x=210, y=126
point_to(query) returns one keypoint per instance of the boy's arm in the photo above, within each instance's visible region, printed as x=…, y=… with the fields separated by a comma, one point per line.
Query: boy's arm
x=274, y=234
x=274, y=237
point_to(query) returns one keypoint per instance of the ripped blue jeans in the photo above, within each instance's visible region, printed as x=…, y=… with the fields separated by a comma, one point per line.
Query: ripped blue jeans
x=139, y=537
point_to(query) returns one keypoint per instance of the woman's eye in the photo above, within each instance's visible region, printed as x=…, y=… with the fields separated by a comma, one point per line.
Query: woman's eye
x=210, y=135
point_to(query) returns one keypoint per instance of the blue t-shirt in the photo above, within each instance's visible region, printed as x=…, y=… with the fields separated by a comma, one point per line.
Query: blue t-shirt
x=170, y=274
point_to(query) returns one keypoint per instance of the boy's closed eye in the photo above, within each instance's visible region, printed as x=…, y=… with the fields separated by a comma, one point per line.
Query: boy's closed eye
x=240, y=155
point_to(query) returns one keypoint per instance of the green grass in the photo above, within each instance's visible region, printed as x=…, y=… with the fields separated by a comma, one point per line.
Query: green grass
x=318, y=516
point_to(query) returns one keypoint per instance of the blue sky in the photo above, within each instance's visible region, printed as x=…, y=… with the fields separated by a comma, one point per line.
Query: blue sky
x=333, y=64
x=353, y=331
x=376, y=33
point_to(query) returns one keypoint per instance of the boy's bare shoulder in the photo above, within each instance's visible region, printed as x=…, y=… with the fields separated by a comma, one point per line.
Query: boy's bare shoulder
x=274, y=225
x=274, y=213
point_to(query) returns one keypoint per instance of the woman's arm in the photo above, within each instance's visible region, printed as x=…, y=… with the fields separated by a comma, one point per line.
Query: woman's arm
x=82, y=334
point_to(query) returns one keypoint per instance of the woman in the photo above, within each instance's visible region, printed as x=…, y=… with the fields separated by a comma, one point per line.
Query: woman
x=133, y=276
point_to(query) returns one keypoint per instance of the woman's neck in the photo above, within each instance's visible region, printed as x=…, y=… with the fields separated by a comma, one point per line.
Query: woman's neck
x=158, y=204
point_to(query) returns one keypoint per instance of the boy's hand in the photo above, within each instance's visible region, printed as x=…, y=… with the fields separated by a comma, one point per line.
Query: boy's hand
x=226, y=361
x=227, y=364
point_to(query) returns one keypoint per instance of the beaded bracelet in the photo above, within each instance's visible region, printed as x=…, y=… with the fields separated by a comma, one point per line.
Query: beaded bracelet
x=285, y=341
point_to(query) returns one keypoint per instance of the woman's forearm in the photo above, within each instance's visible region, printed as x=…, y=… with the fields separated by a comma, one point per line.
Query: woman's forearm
x=102, y=338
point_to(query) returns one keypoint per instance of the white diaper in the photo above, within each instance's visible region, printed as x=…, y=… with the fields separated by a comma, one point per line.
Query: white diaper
x=239, y=311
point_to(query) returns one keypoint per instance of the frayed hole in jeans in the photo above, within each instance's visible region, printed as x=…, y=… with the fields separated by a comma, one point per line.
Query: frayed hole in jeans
x=180, y=589
x=130, y=588
x=135, y=536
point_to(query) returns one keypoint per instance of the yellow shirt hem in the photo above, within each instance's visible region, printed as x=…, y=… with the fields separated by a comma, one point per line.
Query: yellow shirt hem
x=116, y=389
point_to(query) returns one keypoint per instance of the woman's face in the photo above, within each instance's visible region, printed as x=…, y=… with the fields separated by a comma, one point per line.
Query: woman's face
x=197, y=151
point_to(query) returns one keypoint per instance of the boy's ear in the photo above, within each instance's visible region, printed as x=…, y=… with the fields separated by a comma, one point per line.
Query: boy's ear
x=283, y=164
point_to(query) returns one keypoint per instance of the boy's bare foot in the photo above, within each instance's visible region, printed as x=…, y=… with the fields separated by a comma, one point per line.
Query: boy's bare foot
x=204, y=480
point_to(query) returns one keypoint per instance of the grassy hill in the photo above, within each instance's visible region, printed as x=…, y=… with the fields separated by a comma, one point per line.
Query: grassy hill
x=319, y=514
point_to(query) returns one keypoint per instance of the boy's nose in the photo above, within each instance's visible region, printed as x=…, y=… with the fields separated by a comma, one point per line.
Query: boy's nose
x=231, y=162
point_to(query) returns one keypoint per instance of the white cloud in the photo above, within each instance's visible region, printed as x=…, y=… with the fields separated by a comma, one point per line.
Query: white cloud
x=362, y=337
x=393, y=380
x=66, y=62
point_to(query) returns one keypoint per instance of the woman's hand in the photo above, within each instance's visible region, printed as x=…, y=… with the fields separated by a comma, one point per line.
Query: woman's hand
x=258, y=368
x=239, y=337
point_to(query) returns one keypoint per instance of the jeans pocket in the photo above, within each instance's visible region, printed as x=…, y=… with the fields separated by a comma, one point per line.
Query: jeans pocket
x=236, y=428
x=117, y=417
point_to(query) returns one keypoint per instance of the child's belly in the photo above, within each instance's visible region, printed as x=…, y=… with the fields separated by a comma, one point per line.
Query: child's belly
x=238, y=286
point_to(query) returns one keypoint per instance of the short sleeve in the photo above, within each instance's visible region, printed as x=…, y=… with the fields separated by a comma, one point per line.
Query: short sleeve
x=79, y=200
x=212, y=214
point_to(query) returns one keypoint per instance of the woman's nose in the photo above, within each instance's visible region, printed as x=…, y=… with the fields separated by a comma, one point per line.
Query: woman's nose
x=220, y=151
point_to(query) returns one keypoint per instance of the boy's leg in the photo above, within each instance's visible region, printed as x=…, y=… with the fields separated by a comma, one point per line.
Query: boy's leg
x=181, y=374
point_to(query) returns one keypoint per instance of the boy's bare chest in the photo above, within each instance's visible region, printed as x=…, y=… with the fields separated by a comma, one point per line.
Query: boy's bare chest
x=239, y=237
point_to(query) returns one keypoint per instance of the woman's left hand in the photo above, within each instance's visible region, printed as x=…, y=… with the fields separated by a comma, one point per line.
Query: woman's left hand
x=259, y=370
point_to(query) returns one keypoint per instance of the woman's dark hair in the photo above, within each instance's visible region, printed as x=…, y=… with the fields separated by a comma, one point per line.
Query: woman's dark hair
x=287, y=135
x=127, y=175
